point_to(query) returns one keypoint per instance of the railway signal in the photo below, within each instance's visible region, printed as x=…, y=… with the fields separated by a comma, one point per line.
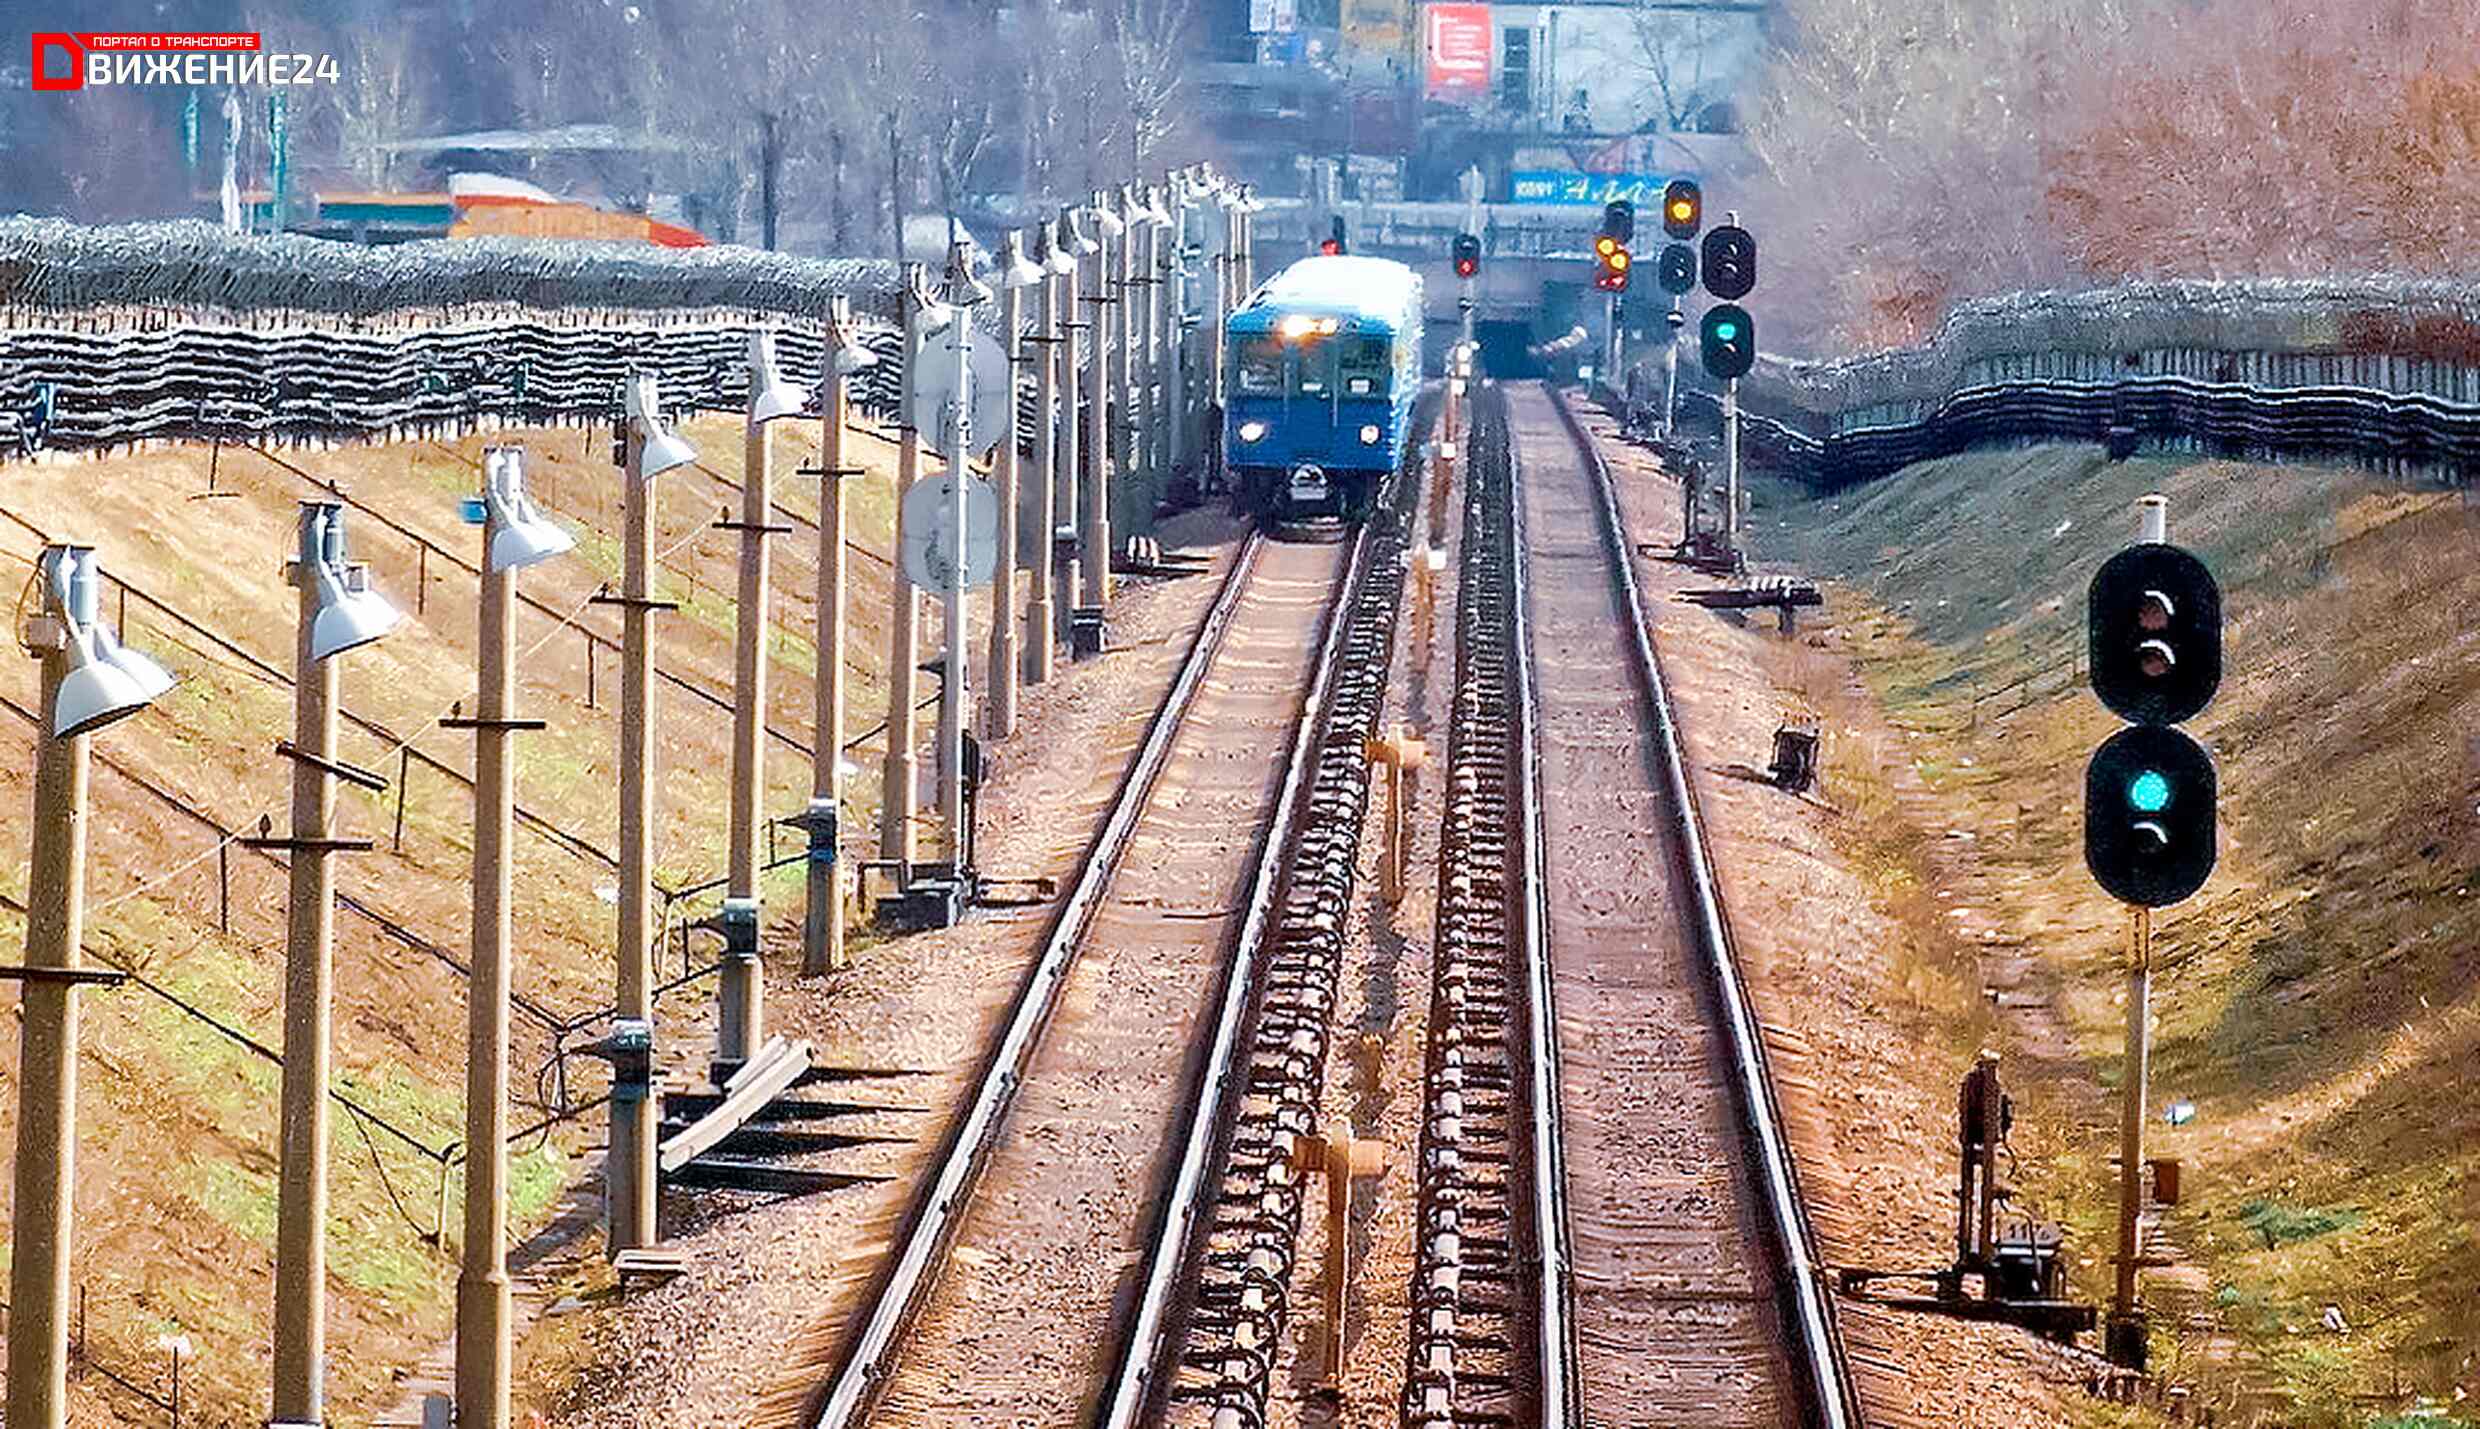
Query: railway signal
x=2153, y=620
x=1683, y=208
x=2149, y=816
x=1610, y=264
x=1676, y=269
x=1467, y=255
x=1730, y=262
x=1729, y=338
x=1619, y=221
x=2154, y=623
x=1333, y=245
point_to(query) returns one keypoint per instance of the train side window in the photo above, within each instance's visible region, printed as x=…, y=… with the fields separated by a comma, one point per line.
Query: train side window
x=1367, y=366
x=1261, y=365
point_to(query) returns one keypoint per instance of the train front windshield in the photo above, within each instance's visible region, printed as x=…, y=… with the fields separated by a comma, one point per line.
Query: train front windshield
x=1307, y=367
x=1367, y=363
x=1261, y=366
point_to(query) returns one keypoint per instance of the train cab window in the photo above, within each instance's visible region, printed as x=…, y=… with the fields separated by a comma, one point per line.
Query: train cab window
x=1317, y=368
x=1261, y=365
x=1368, y=366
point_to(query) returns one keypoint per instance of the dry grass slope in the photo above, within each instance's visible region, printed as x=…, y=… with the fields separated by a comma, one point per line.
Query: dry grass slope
x=2318, y=1001
x=175, y=1202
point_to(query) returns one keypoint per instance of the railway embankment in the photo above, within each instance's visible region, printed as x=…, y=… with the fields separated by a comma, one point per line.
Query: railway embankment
x=2317, y=1005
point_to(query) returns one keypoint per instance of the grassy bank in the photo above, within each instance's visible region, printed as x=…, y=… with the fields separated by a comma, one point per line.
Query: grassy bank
x=2319, y=1001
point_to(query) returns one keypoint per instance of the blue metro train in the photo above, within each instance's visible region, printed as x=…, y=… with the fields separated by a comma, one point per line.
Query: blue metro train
x=1326, y=364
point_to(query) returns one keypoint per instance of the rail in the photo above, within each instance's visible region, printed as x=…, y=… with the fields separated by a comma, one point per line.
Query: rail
x=1188, y=1203
x=1490, y=1199
x=1835, y=1400
x=1554, y=1329
x=903, y=1284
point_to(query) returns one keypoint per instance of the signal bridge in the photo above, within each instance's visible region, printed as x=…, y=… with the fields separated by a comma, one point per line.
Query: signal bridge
x=1535, y=256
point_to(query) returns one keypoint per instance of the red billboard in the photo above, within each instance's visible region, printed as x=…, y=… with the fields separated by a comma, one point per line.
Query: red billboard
x=1455, y=47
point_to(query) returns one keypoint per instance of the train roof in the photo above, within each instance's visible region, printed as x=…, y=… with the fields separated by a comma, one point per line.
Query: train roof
x=1378, y=289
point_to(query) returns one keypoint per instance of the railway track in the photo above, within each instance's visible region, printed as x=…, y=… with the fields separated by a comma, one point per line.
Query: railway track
x=1040, y=1276
x=1611, y=1231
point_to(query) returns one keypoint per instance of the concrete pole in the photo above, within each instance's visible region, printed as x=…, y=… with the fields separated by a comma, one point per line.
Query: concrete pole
x=1226, y=274
x=1180, y=393
x=999, y=718
x=39, y=1233
x=740, y=1011
x=629, y=1172
x=1248, y=254
x=900, y=768
x=309, y=977
x=1068, y=489
x=2153, y=519
x=1618, y=343
x=1094, y=549
x=1148, y=448
x=956, y=692
x=1610, y=341
x=1039, y=615
x=822, y=926
x=1122, y=448
x=483, y=1326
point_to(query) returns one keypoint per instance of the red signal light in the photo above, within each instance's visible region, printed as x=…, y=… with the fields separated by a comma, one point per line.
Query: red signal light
x=1465, y=267
x=1329, y=247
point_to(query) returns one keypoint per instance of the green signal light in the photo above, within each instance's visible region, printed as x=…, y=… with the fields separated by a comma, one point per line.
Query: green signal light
x=1727, y=331
x=2149, y=792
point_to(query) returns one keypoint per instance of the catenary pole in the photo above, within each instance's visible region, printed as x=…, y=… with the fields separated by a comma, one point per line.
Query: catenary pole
x=822, y=926
x=309, y=980
x=45, y=1172
x=901, y=769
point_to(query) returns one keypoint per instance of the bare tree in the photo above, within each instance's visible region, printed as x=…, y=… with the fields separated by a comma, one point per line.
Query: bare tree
x=383, y=98
x=1151, y=42
x=1671, y=48
x=959, y=108
x=1906, y=141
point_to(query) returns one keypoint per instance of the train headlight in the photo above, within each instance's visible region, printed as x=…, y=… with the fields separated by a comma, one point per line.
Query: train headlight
x=1369, y=435
x=1252, y=431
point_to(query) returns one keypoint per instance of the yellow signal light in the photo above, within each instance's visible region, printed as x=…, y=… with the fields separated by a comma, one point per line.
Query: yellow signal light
x=1605, y=245
x=1619, y=259
x=1682, y=210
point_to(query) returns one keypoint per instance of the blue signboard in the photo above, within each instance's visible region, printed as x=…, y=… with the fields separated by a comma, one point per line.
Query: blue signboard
x=1568, y=186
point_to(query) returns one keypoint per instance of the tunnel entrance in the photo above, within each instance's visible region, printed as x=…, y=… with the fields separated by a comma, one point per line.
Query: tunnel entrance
x=1506, y=350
